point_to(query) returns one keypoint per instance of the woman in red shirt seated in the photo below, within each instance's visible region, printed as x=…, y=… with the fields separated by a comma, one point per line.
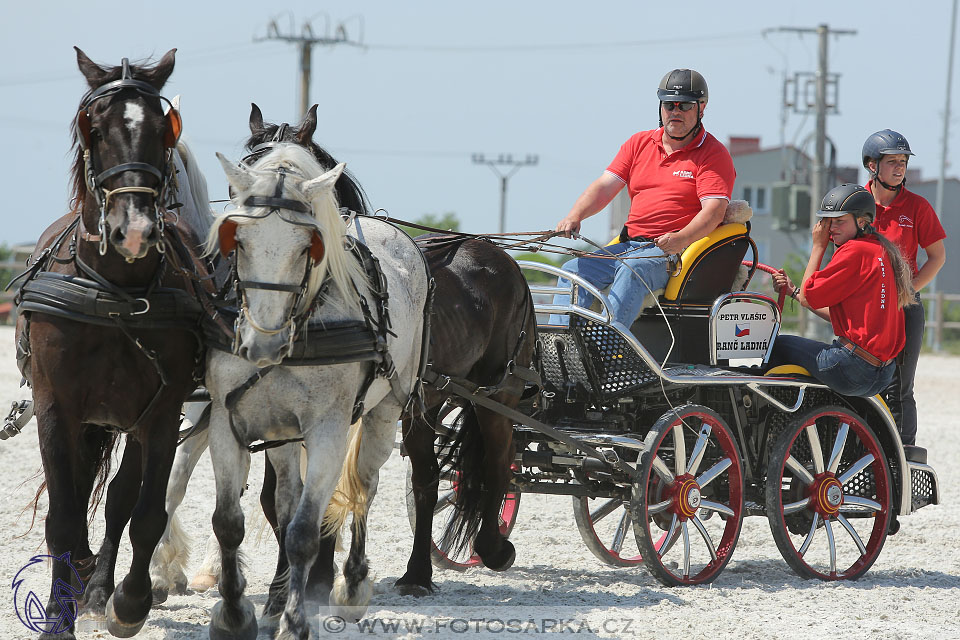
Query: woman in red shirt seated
x=861, y=292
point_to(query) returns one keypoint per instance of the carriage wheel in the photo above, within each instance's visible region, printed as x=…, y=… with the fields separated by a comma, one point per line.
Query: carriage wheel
x=828, y=494
x=607, y=530
x=687, y=504
x=445, y=558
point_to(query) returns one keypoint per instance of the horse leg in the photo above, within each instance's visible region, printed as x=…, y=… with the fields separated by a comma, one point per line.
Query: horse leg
x=234, y=615
x=496, y=552
x=130, y=603
x=121, y=498
x=169, y=562
x=325, y=443
x=353, y=589
x=281, y=492
x=70, y=464
x=418, y=439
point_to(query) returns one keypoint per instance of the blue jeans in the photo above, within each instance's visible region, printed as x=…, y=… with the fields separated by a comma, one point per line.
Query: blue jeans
x=627, y=290
x=899, y=395
x=833, y=365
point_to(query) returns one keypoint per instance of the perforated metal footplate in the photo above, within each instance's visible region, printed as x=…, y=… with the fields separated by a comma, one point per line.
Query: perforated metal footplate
x=923, y=483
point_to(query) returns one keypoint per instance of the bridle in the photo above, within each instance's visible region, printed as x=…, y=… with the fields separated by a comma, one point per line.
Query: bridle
x=275, y=204
x=94, y=177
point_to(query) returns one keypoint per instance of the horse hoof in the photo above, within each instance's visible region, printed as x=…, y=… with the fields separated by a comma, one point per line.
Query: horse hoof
x=119, y=628
x=202, y=582
x=243, y=629
x=504, y=560
x=160, y=595
x=351, y=609
x=415, y=590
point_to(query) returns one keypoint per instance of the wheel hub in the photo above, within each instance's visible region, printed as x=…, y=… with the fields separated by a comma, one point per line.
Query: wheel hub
x=688, y=498
x=827, y=496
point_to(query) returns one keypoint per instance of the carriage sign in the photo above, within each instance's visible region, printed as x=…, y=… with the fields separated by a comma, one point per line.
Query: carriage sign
x=743, y=329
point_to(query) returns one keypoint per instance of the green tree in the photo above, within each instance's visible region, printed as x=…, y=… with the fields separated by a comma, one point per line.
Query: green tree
x=448, y=221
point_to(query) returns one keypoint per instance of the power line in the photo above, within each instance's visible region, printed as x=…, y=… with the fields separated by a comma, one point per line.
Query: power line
x=505, y=160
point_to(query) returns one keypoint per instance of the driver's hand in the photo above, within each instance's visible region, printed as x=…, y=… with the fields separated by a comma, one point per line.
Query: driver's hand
x=568, y=226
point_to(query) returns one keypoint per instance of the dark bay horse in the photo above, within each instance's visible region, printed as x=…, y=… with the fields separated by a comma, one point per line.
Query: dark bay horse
x=109, y=337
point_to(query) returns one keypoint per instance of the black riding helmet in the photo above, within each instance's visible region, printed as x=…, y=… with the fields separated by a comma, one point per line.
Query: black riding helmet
x=683, y=85
x=849, y=198
x=882, y=143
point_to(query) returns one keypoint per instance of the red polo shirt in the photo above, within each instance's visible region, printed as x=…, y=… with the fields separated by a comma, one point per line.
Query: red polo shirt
x=860, y=288
x=909, y=222
x=666, y=190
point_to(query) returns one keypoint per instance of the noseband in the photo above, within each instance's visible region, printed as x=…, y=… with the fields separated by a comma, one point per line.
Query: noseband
x=275, y=204
x=94, y=178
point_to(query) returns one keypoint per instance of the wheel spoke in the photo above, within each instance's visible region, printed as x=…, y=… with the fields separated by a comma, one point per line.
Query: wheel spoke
x=660, y=506
x=662, y=470
x=699, y=449
x=838, y=448
x=710, y=505
x=605, y=509
x=621, y=533
x=857, y=501
x=706, y=537
x=809, y=539
x=857, y=467
x=686, y=550
x=831, y=543
x=794, y=507
x=679, y=449
x=711, y=474
x=814, y=438
x=445, y=501
x=799, y=470
x=853, y=533
x=668, y=540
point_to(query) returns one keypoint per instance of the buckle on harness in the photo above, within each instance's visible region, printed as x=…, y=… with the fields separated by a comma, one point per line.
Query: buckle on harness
x=146, y=307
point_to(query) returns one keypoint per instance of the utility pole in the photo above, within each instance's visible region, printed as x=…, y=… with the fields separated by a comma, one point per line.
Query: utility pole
x=932, y=336
x=504, y=160
x=306, y=41
x=822, y=81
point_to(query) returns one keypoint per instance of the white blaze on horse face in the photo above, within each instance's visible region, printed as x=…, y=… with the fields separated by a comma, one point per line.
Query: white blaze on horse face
x=133, y=115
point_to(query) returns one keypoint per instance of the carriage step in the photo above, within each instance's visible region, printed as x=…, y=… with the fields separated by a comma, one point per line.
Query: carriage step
x=915, y=454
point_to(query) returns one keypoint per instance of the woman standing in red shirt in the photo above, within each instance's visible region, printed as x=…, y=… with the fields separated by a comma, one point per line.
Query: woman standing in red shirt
x=911, y=223
x=861, y=292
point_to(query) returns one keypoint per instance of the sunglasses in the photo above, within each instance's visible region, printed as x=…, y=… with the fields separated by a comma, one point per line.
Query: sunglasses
x=670, y=105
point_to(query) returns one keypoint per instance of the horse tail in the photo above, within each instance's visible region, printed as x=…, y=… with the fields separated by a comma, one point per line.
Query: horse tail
x=465, y=461
x=350, y=494
x=104, y=458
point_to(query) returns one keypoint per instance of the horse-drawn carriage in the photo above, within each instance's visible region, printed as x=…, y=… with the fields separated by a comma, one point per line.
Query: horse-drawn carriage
x=670, y=432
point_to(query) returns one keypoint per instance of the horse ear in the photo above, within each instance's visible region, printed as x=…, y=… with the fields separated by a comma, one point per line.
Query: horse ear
x=314, y=188
x=93, y=72
x=256, y=119
x=227, y=234
x=238, y=176
x=316, y=247
x=308, y=127
x=163, y=69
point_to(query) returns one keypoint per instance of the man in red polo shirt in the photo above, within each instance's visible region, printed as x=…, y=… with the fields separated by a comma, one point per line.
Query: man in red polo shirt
x=680, y=180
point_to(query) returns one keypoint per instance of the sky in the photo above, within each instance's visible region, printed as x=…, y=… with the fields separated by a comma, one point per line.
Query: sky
x=436, y=82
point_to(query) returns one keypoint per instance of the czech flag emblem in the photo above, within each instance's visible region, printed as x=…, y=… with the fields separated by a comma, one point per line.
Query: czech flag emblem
x=742, y=330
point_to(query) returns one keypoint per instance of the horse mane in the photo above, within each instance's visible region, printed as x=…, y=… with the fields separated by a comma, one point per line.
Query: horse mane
x=349, y=192
x=197, y=184
x=78, y=183
x=345, y=273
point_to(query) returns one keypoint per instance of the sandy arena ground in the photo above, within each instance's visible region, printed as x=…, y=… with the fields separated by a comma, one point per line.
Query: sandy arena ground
x=912, y=591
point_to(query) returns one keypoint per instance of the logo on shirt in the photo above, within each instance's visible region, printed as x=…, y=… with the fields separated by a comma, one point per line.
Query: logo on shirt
x=905, y=221
x=741, y=330
x=683, y=174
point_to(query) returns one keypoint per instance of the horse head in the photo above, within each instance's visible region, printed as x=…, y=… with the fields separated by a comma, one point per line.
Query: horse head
x=123, y=136
x=287, y=239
